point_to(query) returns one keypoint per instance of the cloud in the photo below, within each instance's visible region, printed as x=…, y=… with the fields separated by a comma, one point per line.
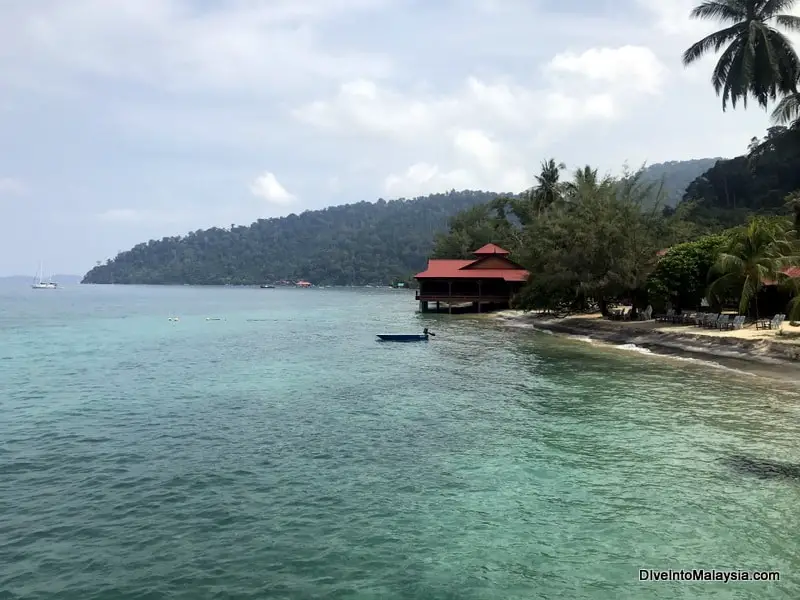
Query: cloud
x=12, y=187
x=634, y=67
x=226, y=46
x=196, y=96
x=478, y=133
x=481, y=163
x=268, y=188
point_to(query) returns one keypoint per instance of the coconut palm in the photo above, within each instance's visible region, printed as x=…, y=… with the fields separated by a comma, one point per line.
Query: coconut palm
x=587, y=181
x=758, y=59
x=787, y=110
x=549, y=189
x=756, y=253
x=793, y=204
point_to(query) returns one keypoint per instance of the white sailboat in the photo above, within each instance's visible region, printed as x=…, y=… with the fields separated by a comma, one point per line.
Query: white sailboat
x=40, y=283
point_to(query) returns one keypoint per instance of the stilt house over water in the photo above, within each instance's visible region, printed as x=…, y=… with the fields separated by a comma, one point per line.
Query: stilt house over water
x=487, y=282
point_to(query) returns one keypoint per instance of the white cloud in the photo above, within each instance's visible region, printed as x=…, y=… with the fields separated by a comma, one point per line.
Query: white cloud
x=184, y=45
x=635, y=67
x=195, y=96
x=12, y=187
x=267, y=187
x=479, y=134
x=480, y=163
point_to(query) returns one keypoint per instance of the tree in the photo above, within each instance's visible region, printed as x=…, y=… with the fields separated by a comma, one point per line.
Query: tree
x=681, y=275
x=549, y=190
x=793, y=204
x=755, y=253
x=599, y=244
x=758, y=59
x=473, y=228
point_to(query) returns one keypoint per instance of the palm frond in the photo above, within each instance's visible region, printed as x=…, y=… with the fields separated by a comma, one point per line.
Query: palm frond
x=719, y=10
x=789, y=22
x=787, y=111
x=749, y=291
x=714, y=41
x=770, y=8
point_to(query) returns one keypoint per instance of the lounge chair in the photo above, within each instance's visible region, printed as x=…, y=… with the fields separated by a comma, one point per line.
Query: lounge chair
x=723, y=322
x=737, y=323
x=669, y=316
x=773, y=323
x=707, y=318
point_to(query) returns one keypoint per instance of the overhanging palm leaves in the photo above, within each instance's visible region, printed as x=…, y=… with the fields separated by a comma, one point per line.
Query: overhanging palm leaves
x=757, y=253
x=758, y=59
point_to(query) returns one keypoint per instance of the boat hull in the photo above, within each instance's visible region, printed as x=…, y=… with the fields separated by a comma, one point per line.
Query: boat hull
x=395, y=337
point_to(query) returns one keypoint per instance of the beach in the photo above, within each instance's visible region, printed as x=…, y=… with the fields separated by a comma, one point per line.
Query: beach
x=755, y=349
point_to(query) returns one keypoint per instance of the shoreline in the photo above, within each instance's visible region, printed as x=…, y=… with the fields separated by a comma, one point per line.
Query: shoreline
x=757, y=352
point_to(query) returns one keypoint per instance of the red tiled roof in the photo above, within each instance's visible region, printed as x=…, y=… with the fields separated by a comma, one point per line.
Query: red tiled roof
x=454, y=269
x=491, y=249
x=447, y=268
x=790, y=271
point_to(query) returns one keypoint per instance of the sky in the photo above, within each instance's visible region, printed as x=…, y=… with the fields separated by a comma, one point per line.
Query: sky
x=124, y=120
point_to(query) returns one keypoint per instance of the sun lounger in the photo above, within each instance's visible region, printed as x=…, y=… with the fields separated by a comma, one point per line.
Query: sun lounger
x=735, y=322
x=667, y=317
x=773, y=323
x=723, y=322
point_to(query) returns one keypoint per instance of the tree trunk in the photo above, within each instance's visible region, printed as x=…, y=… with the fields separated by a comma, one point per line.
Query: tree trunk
x=603, y=306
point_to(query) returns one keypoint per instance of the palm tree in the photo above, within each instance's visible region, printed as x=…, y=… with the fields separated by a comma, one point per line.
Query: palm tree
x=548, y=190
x=758, y=60
x=756, y=253
x=787, y=110
x=793, y=204
x=586, y=180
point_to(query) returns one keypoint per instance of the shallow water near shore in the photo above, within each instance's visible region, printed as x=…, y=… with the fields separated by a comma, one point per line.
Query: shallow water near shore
x=281, y=452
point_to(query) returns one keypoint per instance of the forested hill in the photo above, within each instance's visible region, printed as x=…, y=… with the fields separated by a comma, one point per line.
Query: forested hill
x=677, y=175
x=756, y=182
x=354, y=244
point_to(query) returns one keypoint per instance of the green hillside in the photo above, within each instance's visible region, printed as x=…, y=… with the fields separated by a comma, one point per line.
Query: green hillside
x=354, y=244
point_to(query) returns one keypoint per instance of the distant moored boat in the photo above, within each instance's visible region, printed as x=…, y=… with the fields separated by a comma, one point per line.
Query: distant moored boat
x=40, y=283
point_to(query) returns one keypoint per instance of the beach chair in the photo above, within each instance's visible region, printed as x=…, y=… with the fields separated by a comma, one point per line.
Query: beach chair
x=738, y=322
x=773, y=323
x=668, y=316
x=723, y=322
x=710, y=319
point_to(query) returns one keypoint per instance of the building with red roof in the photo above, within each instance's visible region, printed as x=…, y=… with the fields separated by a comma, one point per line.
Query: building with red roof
x=488, y=281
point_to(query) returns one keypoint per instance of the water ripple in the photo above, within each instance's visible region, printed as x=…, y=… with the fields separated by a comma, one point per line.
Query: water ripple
x=279, y=455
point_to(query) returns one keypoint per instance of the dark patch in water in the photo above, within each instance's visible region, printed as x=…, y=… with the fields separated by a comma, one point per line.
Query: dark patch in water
x=763, y=468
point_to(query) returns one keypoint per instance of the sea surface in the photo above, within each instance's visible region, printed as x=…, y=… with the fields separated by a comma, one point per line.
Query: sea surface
x=281, y=452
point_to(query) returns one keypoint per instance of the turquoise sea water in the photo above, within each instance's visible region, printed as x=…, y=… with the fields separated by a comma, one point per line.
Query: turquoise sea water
x=283, y=453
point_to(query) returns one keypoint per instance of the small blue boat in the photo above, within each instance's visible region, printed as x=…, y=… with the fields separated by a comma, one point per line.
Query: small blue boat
x=405, y=337
x=401, y=337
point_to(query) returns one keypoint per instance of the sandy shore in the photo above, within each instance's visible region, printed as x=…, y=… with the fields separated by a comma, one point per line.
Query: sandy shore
x=763, y=347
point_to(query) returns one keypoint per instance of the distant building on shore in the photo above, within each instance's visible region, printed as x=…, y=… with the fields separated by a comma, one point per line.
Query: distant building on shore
x=303, y=284
x=487, y=282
